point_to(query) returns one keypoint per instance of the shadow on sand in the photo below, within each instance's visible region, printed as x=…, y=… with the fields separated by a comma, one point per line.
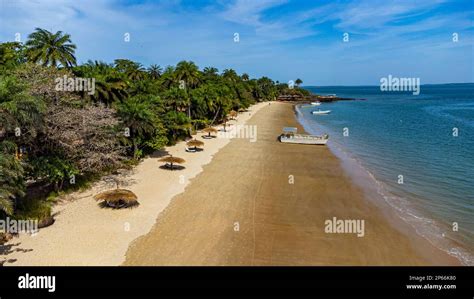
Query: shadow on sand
x=6, y=249
x=175, y=167
x=105, y=205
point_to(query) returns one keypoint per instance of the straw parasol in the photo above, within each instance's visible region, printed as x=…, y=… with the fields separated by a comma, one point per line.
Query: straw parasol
x=172, y=160
x=233, y=114
x=117, y=198
x=195, y=143
x=210, y=130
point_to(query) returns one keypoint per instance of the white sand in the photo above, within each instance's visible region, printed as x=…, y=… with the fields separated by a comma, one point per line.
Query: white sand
x=85, y=234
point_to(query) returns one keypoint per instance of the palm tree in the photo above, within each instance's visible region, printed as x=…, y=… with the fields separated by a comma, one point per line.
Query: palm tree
x=139, y=118
x=177, y=99
x=211, y=73
x=6, y=205
x=230, y=75
x=177, y=125
x=154, y=71
x=188, y=72
x=109, y=85
x=11, y=54
x=245, y=77
x=133, y=70
x=214, y=101
x=168, y=77
x=136, y=73
x=18, y=108
x=50, y=49
x=298, y=82
x=109, y=90
x=267, y=88
x=123, y=65
x=12, y=184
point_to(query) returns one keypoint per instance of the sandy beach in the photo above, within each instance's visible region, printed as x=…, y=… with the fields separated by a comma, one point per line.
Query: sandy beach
x=243, y=210
x=85, y=234
x=256, y=203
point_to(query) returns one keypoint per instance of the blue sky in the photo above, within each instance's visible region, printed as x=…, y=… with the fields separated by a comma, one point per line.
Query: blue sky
x=282, y=39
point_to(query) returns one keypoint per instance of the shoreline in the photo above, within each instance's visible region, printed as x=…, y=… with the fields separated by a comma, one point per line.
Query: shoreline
x=169, y=227
x=368, y=183
x=278, y=224
x=85, y=234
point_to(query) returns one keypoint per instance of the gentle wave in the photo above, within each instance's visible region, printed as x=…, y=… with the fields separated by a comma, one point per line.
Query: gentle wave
x=423, y=226
x=443, y=111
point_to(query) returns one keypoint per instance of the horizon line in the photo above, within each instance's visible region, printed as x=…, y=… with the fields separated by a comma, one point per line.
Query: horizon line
x=452, y=83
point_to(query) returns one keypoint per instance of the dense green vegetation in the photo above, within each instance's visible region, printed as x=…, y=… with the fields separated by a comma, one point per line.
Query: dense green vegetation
x=52, y=139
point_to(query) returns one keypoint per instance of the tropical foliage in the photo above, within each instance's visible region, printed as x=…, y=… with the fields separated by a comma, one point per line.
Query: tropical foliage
x=51, y=138
x=50, y=49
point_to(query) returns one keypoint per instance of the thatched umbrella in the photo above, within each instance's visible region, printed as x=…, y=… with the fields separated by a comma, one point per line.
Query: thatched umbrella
x=233, y=114
x=195, y=143
x=118, y=198
x=172, y=160
x=210, y=130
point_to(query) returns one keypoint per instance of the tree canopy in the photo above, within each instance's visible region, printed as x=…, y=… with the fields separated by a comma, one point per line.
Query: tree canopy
x=51, y=136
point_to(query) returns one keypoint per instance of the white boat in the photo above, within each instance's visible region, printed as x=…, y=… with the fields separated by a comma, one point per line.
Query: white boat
x=315, y=103
x=289, y=136
x=319, y=111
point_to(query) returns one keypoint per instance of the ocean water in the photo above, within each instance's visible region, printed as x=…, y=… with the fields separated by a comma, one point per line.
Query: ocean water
x=407, y=146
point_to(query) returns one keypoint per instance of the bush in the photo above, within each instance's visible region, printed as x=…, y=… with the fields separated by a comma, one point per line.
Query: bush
x=33, y=209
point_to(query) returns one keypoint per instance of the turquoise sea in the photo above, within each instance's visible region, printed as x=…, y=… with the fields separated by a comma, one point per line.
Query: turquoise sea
x=417, y=150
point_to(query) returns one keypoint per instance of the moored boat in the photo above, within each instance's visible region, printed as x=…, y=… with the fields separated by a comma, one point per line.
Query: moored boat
x=289, y=136
x=319, y=111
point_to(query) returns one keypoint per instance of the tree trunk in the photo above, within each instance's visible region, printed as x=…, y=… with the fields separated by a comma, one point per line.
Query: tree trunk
x=215, y=116
x=135, y=148
x=190, y=131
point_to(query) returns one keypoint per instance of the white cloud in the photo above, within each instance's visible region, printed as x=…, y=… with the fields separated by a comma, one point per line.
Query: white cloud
x=248, y=12
x=165, y=32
